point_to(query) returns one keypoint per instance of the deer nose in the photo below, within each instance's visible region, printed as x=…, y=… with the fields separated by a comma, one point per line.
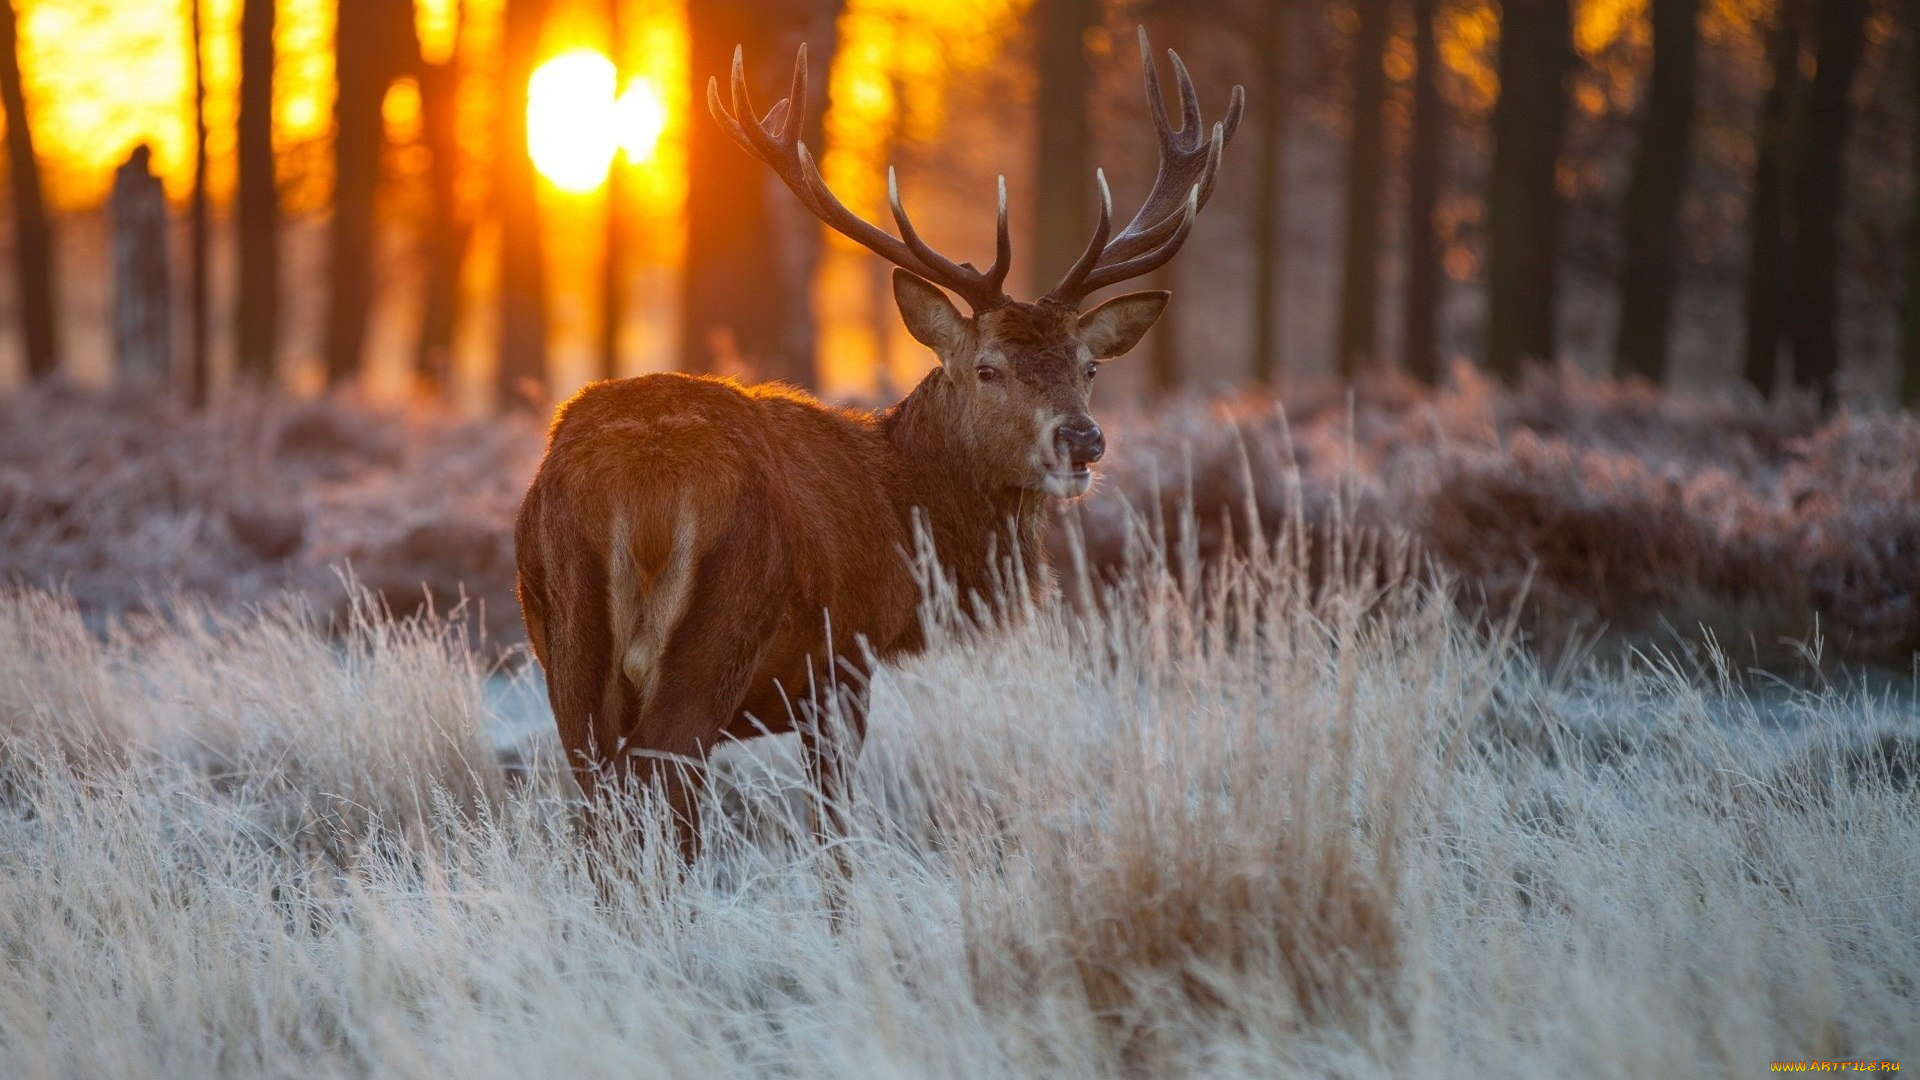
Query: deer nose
x=1082, y=441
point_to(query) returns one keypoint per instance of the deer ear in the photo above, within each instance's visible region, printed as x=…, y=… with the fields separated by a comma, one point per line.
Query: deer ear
x=1118, y=325
x=930, y=317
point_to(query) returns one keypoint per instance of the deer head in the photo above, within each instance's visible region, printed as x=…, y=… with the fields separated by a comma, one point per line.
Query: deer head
x=1022, y=372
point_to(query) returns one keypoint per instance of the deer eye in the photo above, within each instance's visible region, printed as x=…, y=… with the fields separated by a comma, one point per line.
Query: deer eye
x=987, y=373
x=1091, y=372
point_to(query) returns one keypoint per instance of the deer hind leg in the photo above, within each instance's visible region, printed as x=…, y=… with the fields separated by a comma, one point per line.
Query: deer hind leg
x=688, y=678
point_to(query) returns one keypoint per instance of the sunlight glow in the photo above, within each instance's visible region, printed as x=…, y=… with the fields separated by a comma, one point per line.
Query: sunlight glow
x=640, y=117
x=574, y=123
x=570, y=118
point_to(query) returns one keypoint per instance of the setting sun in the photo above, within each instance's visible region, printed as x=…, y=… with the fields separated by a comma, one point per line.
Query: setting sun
x=575, y=124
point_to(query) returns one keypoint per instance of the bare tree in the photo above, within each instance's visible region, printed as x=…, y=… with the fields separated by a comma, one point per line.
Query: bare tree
x=522, y=370
x=1366, y=169
x=1767, y=275
x=259, y=198
x=1420, y=344
x=33, y=238
x=1819, y=179
x=447, y=228
x=1650, y=218
x=1523, y=201
x=1910, y=301
x=1063, y=161
x=372, y=46
x=729, y=224
x=612, y=277
x=200, y=368
x=1271, y=45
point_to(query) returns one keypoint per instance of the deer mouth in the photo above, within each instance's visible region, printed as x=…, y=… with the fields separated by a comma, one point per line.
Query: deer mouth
x=1067, y=480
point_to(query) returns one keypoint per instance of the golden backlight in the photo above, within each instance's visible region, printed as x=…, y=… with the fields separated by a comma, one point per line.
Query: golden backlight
x=575, y=124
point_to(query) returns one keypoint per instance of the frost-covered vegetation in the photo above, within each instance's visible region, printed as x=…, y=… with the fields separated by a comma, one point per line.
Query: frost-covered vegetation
x=1607, y=513
x=1328, y=778
x=1252, y=821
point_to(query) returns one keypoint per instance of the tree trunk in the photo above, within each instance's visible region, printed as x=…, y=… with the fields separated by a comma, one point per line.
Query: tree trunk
x=1819, y=182
x=1523, y=201
x=1270, y=223
x=259, y=199
x=368, y=54
x=1063, y=161
x=737, y=297
x=1650, y=219
x=613, y=260
x=33, y=237
x=1910, y=305
x=1768, y=314
x=1366, y=168
x=447, y=231
x=523, y=309
x=1426, y=141
x=798, y=233
x=200, y=368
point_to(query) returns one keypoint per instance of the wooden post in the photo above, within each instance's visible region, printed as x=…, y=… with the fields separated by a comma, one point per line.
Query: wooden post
x=142, y=291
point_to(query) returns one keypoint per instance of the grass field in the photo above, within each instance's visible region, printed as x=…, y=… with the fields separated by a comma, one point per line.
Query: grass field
x=1245, y=820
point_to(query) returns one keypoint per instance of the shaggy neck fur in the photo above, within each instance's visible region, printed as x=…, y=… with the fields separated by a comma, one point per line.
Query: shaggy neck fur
x=971, y=520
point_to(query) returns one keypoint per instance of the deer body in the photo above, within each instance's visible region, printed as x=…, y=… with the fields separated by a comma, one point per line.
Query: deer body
x=717, y=534
x=698, y=558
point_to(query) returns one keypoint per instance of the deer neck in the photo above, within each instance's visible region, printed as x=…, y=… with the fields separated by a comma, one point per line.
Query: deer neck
x=972, y=522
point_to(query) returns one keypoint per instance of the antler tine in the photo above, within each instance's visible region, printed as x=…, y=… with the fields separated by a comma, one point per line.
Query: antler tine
x=946, y=267
x=797, y=93
x=1114, y=273
x=1070, y=289
x=1002, y=245
x=742, y=101
x=775, y=140
x=1191, y=126
x=1156, y=101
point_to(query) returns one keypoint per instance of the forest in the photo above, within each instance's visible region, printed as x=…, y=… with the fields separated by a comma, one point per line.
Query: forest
x=1694, y=194
x=1493, y=627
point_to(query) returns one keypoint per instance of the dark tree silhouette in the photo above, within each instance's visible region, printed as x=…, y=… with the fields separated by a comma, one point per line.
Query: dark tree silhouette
x=1426, y=140
x=33, y=238
x=522, y=369
x=1269, y=241
x=374, y=43
x=447, y=230
x=1366, y=168
x=1650, y=218
x=1523, y=201
x=1819, y=179
x=199, y=314
x=259, y=198
x=1063, y=162
x=1767, y=261
x=738, y=298
x=1910, y=301
x=800, y=239
x=613, y=261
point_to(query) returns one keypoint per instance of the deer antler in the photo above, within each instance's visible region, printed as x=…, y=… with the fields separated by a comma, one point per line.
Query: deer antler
x=775, y=141
x=1189, y=163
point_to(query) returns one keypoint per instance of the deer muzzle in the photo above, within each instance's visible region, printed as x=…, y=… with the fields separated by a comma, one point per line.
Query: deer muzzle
x=1080, y=442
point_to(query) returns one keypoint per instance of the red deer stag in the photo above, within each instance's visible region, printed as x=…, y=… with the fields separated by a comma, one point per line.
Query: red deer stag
x=693, y=553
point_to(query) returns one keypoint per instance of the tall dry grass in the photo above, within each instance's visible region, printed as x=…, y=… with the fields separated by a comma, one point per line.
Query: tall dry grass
x=1253, y=819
